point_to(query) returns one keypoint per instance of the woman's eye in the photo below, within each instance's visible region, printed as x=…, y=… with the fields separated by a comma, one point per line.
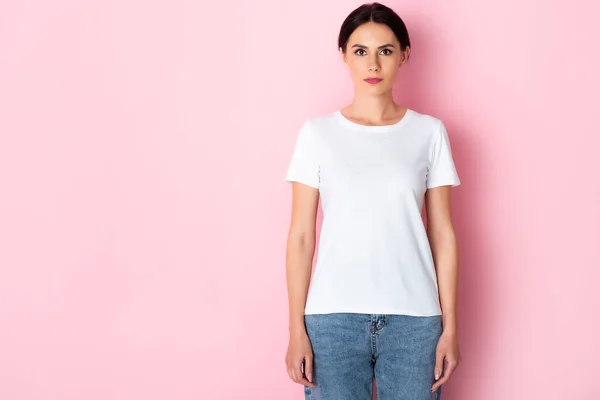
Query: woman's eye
x=361, y=52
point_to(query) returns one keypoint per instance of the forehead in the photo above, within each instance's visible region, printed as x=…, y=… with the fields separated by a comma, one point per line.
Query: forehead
x=372, y=34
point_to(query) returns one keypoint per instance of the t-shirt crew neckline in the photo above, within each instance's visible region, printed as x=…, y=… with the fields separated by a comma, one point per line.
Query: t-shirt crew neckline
x=372, y=128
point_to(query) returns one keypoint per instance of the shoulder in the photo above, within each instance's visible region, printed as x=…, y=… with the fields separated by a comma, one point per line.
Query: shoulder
x=318, y=126
x=426, y=122
x=429, y=127
x=320, y=123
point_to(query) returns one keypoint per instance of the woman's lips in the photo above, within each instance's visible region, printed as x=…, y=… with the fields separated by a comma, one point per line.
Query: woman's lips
x=373, y=80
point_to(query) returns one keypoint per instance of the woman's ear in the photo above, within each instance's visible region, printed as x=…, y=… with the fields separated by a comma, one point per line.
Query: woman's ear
x=405, y=55
x=342, y=55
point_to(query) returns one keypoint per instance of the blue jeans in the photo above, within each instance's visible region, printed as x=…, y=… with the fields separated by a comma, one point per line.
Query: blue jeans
x=349, y=349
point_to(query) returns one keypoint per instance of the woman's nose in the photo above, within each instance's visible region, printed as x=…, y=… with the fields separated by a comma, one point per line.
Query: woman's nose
x=374, y=66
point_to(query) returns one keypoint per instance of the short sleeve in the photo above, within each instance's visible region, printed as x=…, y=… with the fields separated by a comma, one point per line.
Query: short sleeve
x=442, y=170
x=304, y=165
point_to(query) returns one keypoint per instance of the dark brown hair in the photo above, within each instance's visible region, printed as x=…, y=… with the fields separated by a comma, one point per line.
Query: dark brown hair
x=373, y=12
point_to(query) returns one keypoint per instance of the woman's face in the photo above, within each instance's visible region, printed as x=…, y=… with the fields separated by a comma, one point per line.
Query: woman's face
x=373, y=51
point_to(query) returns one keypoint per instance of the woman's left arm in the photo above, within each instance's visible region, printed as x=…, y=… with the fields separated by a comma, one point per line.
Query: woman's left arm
x=440, y=231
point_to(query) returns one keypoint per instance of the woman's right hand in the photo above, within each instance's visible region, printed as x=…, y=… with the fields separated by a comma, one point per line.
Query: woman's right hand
x=299, y=352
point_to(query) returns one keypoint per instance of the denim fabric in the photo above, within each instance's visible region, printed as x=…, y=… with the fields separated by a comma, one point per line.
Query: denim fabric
x=349, y=349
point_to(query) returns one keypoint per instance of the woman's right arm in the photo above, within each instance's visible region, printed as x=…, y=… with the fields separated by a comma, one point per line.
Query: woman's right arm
x=299, y=257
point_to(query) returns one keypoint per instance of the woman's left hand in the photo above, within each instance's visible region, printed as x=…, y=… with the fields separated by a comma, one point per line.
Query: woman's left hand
x=447, y=349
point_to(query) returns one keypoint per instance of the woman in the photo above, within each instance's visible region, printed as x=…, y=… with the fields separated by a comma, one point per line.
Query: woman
x=378, y=305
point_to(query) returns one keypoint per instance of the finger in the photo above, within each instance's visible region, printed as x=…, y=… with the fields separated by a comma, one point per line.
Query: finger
x=298, y=376
x=308, y=368
x=305, y=382
x=439, y=364
x=450, y=367
x=441, y=380
x=452, y=364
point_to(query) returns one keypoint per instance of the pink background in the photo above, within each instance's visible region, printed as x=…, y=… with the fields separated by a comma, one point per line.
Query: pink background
x=144, y=214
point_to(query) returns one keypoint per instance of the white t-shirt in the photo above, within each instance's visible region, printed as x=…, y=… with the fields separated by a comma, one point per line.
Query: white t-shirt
x=374, y=255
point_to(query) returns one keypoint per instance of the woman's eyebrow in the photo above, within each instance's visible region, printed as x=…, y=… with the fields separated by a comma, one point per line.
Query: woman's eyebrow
x=380, y=47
